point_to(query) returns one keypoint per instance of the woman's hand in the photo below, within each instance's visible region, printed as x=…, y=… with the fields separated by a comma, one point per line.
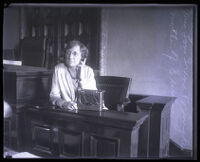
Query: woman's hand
x=80, y=69
x=70, y=105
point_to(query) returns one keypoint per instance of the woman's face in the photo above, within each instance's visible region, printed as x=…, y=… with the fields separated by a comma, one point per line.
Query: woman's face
x=73, y=56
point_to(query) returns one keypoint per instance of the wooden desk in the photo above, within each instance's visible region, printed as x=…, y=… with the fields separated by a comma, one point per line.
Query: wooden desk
x=22, y=86
x=53, y=132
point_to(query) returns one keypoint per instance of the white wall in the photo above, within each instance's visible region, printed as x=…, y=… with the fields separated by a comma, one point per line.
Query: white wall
x=153, y=46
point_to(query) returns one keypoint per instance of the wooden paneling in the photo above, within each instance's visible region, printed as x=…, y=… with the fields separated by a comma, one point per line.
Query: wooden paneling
x=106, y=134
x=46, y=30
x=101, y=146
x=71, y=143
x=42, y=138
x=22, y=86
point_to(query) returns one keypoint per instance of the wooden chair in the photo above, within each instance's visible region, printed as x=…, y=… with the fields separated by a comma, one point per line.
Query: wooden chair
x=116, y=91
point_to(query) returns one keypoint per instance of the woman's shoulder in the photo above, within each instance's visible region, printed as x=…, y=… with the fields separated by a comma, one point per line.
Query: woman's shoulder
x=60, y=66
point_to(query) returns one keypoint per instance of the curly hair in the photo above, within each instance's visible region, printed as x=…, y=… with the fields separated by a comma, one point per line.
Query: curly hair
x=83, y=48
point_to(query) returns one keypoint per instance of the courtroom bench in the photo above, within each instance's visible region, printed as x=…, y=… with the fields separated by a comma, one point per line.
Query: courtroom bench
x=25, y=85
x=155, y=132
x=22, y=86
x=53, y=132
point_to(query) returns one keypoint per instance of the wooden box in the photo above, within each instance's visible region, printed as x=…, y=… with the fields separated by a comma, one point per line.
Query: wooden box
x=90, y=100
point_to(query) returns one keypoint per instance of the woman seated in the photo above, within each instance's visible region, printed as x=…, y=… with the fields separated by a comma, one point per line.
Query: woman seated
x=71, y=75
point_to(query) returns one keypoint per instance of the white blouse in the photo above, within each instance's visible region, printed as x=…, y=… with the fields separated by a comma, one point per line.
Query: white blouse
x=63, y=86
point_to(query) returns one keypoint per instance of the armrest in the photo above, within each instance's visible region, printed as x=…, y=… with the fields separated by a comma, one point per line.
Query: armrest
x=149, y=102
x=122, y=105
x=125, y=102
x=132, y=106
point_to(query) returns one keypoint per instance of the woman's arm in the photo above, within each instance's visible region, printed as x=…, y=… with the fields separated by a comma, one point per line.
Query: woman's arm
x=87, y=80
x=55, y=94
